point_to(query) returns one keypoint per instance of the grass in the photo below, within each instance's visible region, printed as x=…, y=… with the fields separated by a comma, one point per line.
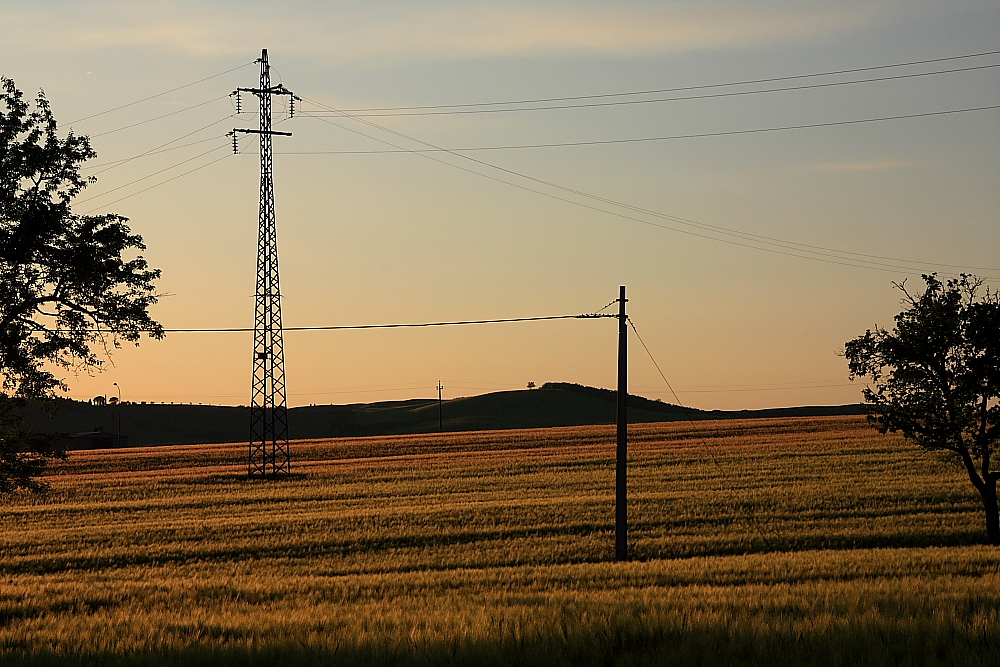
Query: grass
x=779, y=542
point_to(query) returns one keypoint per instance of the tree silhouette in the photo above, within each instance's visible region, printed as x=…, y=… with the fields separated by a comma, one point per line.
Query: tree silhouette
x=68, y=294
x=935, y=378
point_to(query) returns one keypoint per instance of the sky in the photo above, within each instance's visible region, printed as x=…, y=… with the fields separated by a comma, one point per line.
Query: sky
x=738, y=266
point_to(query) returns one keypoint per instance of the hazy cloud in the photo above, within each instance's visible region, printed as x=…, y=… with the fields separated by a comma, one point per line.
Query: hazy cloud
x=874, y=165
x=391, y=32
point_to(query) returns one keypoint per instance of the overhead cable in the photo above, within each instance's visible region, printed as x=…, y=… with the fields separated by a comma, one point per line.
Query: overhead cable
x=150, y=120
x=155, y=173
x=736, y=93
x=688, y=411
x=605, y=142
x=111, y=164
x=166, y=92
x=156, y=185
x=107, y=166
x=728, y=391
x=682, y=88
x=344, y=327
x=781, y=247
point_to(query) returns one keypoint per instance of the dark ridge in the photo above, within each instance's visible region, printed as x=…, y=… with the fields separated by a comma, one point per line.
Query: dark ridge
x=554, y=404
x=611, y=396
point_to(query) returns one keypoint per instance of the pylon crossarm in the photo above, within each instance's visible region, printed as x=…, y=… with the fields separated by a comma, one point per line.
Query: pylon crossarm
x=270, y=132
x=273, y=90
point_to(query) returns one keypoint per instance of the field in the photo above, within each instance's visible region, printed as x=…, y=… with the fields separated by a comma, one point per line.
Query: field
x=760, y=542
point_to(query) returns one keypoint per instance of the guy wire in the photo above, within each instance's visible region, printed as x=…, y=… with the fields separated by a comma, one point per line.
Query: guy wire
x=750, y=513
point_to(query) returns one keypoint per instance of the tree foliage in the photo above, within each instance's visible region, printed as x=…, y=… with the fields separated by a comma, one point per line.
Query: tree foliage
x=62, y=275
x=935, y=378
x=69, y=292
x=23, y=455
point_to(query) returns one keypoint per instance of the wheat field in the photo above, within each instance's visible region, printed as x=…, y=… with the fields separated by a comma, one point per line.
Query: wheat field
x=806, y=541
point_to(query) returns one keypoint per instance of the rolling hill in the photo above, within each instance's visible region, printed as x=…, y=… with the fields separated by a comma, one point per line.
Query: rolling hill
x=554, y=404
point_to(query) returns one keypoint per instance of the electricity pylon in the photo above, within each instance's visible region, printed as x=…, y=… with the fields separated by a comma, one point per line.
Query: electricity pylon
x=268, y=455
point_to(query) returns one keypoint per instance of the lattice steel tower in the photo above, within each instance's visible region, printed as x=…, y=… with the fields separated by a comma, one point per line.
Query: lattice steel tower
x=268, y=455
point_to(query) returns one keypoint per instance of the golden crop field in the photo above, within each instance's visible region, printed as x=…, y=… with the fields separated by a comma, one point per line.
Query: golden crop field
x=809, y=541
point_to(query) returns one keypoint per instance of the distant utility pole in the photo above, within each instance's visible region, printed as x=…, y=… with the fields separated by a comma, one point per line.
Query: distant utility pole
x=440, y=408
x=621, y=457
x=269, y=455
x=119, y=443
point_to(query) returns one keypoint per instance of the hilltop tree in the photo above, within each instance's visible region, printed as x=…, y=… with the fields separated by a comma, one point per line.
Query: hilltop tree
x=935, y=378
x=68, y=295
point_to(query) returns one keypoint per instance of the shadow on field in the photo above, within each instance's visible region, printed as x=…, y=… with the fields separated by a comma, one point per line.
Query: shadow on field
x=240, y=477
x=340, y=549
x=624, y=644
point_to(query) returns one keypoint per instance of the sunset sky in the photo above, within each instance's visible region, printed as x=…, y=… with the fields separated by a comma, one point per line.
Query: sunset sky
x=368, y=236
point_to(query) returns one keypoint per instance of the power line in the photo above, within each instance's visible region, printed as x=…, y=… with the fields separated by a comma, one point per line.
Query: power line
x=683, y=88
x=339, y=390
x=155, y=173
x=153, y=151
x=812, y=255
x=664, y=99
x=156, y=185
x=581, y=316
x=156, y=149
x=704, y=226
x=361, y=391
x=365, y=390
x=492, y=386
x=726, y=391
x=603, y=142
x=166, y=92
x=781, y=247
x=803, y=384
x=150, y=120
x=111, y=164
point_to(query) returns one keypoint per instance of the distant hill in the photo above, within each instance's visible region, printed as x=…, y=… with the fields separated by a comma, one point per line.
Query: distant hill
x=553, y=404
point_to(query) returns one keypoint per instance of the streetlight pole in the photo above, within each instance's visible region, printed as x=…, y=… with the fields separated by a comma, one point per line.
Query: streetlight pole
x=119, y=443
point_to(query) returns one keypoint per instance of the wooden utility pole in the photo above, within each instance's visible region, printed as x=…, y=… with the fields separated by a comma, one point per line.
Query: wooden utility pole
x=621, y=458
x=440, y=408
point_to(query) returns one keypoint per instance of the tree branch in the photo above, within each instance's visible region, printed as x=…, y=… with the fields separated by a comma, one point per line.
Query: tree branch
x=970, y=467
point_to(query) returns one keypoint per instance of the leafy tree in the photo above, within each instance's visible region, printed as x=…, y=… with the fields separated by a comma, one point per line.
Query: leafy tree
x=935, y=378
x=67, y=294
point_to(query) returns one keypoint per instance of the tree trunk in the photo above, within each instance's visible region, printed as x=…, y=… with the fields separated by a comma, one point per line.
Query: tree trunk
x=989, y=494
